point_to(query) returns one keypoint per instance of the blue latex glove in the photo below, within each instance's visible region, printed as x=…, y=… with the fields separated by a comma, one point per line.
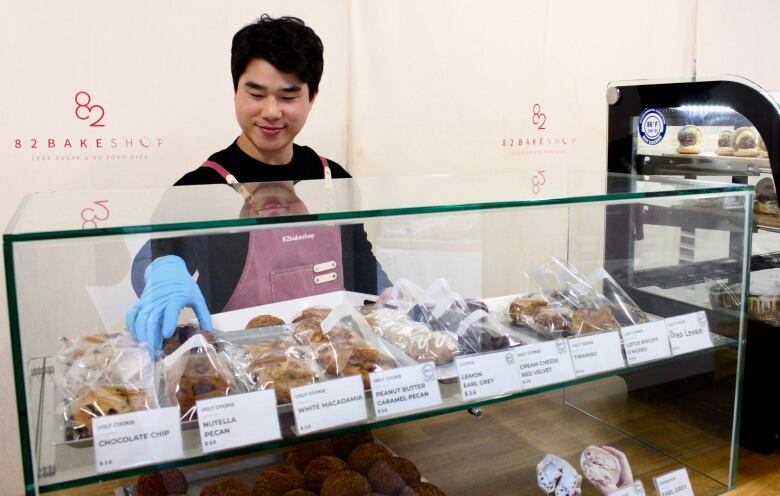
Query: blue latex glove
x=169, y=288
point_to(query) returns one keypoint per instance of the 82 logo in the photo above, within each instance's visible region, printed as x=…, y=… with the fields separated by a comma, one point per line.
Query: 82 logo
x=85, y=111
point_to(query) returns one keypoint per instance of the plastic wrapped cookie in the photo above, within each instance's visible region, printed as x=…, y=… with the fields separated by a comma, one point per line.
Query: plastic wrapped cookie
x=556, y=476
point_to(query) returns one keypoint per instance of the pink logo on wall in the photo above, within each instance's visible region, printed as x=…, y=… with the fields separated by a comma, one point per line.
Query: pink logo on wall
x=538, y=139
x=84, y=111
x=93, y=142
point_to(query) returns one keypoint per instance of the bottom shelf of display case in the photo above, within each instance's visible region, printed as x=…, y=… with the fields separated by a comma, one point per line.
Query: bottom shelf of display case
x=498, y=452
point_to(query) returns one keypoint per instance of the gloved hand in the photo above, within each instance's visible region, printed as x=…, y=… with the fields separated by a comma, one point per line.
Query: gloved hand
x=169, y=288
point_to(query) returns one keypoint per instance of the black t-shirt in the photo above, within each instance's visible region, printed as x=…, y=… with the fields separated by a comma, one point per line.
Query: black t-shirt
x=219, y=259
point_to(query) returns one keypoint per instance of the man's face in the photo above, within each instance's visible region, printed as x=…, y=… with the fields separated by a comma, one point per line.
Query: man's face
x=271, y=108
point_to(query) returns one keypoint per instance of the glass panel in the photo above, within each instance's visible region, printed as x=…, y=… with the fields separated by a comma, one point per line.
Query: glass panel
x=487, y=244
x=99, y=213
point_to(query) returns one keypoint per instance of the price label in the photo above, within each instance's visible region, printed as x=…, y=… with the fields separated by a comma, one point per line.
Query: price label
x=404, y=389
x=646, y=342
x=137, y=438
x=328, y=404
x=544, y=363
x=689, y=332
x=596, y=353
x=484, y=376
x=675, y=483
x=238, y=420
x=635, y=489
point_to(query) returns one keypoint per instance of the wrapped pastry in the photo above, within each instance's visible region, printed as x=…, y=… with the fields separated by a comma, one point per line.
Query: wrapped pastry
x=100, y=375
x=604, y=468
x=181, y=335
x=415, y=338
x=280, y=364
x=480, y=332
x=744, y=141
x=690, y=138
x=198, y=371
x=556, y=476
x=264, y=320
x=316, y=313
x=586, y=321
x=622, y=307
x=540, y=315
x=351, y=347
x=102, y=401
x=724, y=143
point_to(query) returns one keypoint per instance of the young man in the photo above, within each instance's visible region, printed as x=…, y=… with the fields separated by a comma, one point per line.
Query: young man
x=276, y=66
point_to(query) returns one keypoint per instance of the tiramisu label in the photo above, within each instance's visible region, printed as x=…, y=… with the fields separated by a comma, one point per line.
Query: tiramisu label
x=405, y=389
x=596, y=353
x=238, y=420
x=544, y=363
x=328, y=404
x=138, y=438
x=488, y=375
x=646, y=342
x=689, y=332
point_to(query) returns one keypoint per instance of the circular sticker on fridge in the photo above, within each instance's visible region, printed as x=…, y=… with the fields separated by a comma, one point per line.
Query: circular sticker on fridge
x=652, y=126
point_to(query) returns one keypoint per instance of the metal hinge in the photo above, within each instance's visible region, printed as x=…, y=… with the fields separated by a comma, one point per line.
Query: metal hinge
x=49, y=369
x=47, y=471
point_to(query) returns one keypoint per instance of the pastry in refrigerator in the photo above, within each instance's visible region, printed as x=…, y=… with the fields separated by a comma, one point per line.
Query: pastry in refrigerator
x=202, y=378
x=277, y=480
x=364, y=456
x=690, y=138
x=163, y=483
x=300, y=455
x=321, y=468
x=229, y=486
x=343, y=445
x=101, y=401
x=744, y=141
x=346, y=483
x=393, y=475
x=600, y=467
x=724, y=143
x=766, y=197
x=299, y=492
x=554, y=475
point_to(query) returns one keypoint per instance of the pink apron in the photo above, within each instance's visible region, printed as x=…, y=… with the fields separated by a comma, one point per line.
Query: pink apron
x=286, y=263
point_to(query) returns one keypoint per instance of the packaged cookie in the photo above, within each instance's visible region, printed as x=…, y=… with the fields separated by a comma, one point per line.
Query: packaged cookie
x=548, y=318
x=198, y=371
x=280, y=363
x=102, y=375
x=622, y=307
x=415, y=339
x=351, y=347
x=481, y=332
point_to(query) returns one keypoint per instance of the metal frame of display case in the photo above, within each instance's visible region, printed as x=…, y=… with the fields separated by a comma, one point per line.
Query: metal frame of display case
x=760, y=422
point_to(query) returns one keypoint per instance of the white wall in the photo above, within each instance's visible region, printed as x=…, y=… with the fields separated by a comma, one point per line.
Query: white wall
x=409, y=88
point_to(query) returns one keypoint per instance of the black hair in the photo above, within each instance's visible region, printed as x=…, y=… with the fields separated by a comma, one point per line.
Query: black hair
x=286, y=43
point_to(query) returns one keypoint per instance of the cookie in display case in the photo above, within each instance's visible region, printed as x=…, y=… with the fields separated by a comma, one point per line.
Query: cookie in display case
x=369, y=388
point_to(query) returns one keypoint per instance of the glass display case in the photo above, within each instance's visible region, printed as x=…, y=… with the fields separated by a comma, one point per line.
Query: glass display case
x=724, y=129
x=487, y=341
